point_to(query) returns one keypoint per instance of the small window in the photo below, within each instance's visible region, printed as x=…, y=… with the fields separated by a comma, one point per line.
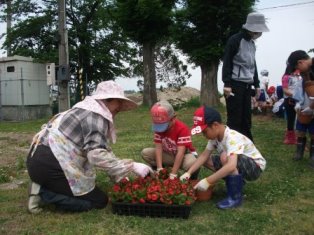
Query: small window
x=10, y=69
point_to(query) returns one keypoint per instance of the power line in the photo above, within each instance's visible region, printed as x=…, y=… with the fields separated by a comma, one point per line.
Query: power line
x=288, y=5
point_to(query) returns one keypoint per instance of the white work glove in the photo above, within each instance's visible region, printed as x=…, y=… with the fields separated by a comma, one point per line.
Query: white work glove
x=185, y=176
x=172, y=176
x=307, y=111
x=203, y=185
x=194, y=153
x=159, y=169
x=142, y=169
x=297, y=107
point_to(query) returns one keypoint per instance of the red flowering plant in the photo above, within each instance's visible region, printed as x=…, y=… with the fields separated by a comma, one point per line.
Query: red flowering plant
x=158, y=189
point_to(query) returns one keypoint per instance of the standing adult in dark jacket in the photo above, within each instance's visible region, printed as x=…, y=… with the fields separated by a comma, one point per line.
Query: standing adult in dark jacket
x=239, y=73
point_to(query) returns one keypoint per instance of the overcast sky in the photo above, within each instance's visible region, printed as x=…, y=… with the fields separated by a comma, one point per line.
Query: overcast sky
x=291, y=24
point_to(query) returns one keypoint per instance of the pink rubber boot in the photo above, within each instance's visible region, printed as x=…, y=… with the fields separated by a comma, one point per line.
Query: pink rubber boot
x=290, y=138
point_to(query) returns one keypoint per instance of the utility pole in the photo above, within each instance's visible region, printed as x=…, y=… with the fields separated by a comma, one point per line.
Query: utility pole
x=63, y=84
x=9, y=21
x=9, y=24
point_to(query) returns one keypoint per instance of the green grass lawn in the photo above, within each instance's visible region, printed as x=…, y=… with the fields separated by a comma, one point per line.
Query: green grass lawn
x=280, y=202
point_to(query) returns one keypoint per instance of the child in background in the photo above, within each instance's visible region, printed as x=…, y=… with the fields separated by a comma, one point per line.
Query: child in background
x=278, y=106
x=279, y=92
x=238, y=157
x=304, y=106
x=264, y=81
x=289, y=83
x=272, y=97
x=173, y=142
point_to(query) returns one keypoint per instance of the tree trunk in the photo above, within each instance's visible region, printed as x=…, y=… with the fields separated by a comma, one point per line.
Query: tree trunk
x=209, y=89
x=149, y=91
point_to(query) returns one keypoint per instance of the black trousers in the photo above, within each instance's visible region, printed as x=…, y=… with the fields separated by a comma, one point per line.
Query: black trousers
x=289, y=104
x=44, y=169
x=239, y=113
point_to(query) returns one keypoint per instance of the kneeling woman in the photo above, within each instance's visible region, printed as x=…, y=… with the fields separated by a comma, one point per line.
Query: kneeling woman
x=64, y=154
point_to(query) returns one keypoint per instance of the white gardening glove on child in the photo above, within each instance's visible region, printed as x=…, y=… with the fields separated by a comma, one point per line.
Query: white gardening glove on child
x=185, y=176
x=142, y=169
x=307, y=111
x=203, y=185
x=194, y=153
x=297, y=107
x=159, y=169
x=172, y=176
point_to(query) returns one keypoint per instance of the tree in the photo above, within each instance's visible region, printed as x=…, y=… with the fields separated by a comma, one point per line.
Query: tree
x=146, y=22
x=30, y=21
x=169, y=68
x=95, y=43
x=201, y=31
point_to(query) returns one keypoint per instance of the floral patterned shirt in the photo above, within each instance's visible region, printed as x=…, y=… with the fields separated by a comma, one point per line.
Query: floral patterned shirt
x=77, y=139
x=234, y=142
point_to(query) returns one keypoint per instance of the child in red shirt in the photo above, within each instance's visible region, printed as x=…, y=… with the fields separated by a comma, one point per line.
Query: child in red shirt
x=173, y=142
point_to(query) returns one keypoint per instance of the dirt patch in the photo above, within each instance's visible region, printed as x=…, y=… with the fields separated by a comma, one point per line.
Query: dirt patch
x=174, y=96
x=13, y=146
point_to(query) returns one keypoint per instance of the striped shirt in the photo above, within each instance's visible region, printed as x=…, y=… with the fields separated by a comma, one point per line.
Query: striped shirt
x=84, y=128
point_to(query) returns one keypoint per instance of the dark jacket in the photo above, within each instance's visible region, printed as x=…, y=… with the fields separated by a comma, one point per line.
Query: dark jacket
x=239, y=63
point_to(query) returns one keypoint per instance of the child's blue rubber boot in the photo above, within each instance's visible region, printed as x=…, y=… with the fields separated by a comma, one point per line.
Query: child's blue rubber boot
x=234, y=184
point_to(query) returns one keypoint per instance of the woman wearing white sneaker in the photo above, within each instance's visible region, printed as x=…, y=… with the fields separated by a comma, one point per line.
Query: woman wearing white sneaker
x=64, y=154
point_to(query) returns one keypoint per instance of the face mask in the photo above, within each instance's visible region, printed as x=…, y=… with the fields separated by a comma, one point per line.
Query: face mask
x=256, y=35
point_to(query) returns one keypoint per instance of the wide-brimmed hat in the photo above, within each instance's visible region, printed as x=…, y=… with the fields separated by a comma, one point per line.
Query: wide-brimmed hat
x=255, y=22
x=162, y=112
x=112, y=90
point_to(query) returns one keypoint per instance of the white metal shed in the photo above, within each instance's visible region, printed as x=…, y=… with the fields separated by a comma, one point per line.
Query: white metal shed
x=24, y=93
